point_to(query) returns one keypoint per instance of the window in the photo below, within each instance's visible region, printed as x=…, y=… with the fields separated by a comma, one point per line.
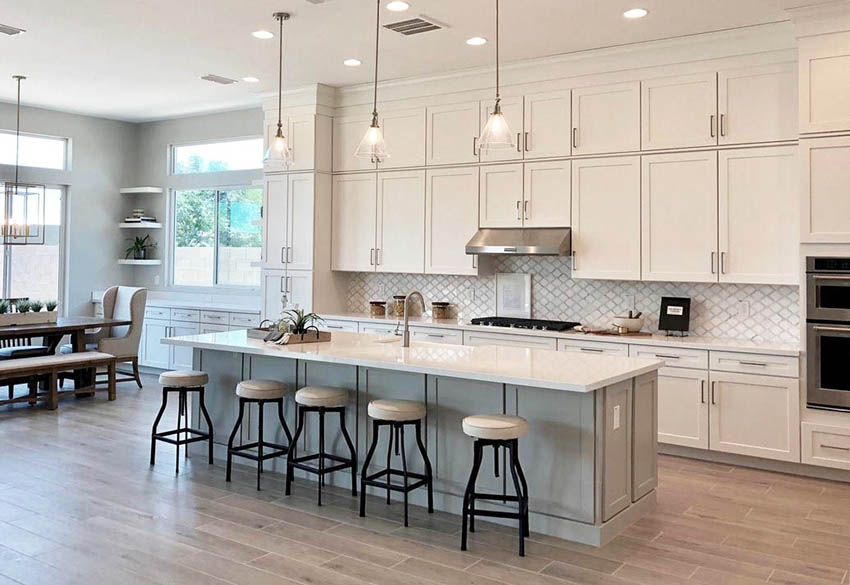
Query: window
x=217, y=236
x=213, y=157
x=35, y=151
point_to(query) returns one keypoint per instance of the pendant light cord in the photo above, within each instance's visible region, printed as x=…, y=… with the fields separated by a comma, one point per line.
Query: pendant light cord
x=498, y=95
x=375, y=88
x=280, y=77
x=18, y=129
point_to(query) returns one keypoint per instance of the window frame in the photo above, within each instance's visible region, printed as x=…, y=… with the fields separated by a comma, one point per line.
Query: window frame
x=171, y=158
x=172, y=240
x=66, y=151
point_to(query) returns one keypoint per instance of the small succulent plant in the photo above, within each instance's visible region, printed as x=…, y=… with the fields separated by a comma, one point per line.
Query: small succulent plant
x=36, y=306
x=23, y=306
x=5, y=305
x=298, y=322
x=50, y=305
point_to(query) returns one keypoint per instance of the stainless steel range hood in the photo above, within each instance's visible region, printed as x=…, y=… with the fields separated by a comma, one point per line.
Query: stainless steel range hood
x=531, y=241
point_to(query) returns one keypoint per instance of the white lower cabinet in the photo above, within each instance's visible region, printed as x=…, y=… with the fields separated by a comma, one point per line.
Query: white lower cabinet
x=380, y=329
x=296, y=284
x=339, y=325
x=180, y=357
x=154, y=353
x=597, y=347
x=825, y=445
x=683, y=407
x=476, y=338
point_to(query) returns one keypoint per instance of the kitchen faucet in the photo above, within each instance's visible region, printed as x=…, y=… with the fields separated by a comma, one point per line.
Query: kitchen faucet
x=405, y=340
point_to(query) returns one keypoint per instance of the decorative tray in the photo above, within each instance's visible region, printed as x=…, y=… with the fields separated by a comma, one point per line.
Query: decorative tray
x=309, y=337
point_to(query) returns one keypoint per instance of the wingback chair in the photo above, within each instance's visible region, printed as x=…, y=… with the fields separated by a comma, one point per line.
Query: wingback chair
x=127, y=303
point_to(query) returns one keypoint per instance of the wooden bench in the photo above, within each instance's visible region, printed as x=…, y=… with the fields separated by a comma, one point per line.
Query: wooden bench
x=46, y=369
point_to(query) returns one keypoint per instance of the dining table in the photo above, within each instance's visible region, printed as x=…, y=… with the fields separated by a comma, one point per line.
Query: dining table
x=52, y=334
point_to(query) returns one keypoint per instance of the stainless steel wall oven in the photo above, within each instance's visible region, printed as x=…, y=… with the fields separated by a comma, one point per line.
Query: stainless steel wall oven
x=828, y=333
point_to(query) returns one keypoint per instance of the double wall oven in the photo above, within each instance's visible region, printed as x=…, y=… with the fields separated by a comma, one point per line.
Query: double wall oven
x=828, y=332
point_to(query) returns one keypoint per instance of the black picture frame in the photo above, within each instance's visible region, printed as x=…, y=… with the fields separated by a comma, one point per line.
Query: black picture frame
x=675, y=315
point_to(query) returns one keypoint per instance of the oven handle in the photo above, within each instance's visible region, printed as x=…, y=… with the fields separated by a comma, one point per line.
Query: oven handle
x=833, y=329
x=830, y=277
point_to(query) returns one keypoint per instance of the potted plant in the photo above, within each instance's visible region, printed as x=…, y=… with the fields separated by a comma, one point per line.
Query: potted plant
x=23, y=306
x=5, y=306
x=297, y=322
x=36, y=306
x=139, y=248
x=50, y=305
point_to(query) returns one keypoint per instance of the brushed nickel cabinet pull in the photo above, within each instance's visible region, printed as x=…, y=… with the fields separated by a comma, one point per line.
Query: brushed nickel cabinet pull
x=475, y=260
x=713, y=399
x=518, y=203
x=283, y=255
x=702, y=391
x=282, y=284
x=836, y=448
x=666, y=356
x=722, y=262
x=760, y=364
x=289, y=254
x=723, y=124
x=518, y=142
x=525, y=209
x=713, y=254
x=371, y=256
x=378, y=256
x=525, y=143
x=711, y=126
x=575, y=261
x=575, y=137
x=591, y=349
x=474, y=146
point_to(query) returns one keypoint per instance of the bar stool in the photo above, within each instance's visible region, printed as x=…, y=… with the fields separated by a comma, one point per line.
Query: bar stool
x=396, y=414
x=259, y=392
x=496, y=430
x=322, y=400
x=182, y=383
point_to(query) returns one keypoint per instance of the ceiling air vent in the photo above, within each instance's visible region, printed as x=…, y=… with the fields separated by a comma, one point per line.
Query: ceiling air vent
x=413, y=26
x=218, y=79
x=10, y=30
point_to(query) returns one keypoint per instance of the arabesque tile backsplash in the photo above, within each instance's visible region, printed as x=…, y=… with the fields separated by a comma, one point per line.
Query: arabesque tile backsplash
x=715, y=308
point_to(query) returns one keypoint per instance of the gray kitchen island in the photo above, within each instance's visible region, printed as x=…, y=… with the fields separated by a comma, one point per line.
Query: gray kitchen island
x=589, y=455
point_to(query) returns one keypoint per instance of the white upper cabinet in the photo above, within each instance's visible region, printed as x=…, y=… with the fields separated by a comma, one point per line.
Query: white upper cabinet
x=299, y=224
x=404, y=134
x=547, y=125
x=353, y=223
x=826, y=187
x=757, y=104
x=513, y=113
x=501, y=195
x=606, y=118
x=302, y=141
x=274, y=221
x=347, y=134
x=606, y=218
x=679, y=111
x=401, y=222
x=679, y=217
x=452, y=133
x=758, y=205
x=546, y=194
x=451, y=219
x=825, y=84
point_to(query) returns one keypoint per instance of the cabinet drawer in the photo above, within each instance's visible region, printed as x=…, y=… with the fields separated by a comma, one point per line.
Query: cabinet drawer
x=339, y=325
x=188, y=315
x=673, y=356
x=755, y=363
x=210, y=328
x=380, y=329
x=152, y=312
x=825, y=445
x=436, y=335
x=508, y=340
x=244, y=319
x=214, y=317
x=598, y=347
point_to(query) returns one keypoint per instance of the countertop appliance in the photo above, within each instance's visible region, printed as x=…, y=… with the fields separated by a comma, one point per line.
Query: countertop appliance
x=535, y=324
x=521, y=241
x=828, y=333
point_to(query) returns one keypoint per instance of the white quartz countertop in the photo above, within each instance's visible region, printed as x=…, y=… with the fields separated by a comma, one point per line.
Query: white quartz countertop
x=690, y=342
x=541, y=368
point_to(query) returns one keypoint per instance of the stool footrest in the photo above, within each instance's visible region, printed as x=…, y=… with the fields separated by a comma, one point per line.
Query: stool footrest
x=494, y=514
x=316, y=470
x=165, y=436
x=240, y=451
x=495, y=497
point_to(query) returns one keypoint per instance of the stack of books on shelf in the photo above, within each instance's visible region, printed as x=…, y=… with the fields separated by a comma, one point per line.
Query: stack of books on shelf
x=140, y=217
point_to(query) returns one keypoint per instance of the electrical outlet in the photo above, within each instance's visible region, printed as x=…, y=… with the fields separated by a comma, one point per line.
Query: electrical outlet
x=616, y=417
x=743, y=309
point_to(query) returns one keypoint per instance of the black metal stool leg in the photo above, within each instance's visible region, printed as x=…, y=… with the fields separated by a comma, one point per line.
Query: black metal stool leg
x=364, y=473
x=203, y=408
x=156, y=424
x=403, y=467
x=260, y=405
x=283, y=422
x=177, y=446
x=520, y=503
x=389, y=457
x=235, y=430
x=428, y=472
x=523, y=483
x=350, y=450
x=468, y=496
x=321, y=452
x=290, y=469
x=186, y=423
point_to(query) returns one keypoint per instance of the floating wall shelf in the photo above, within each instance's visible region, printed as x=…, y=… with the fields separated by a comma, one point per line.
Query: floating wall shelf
x=153, y=262
x=141, y=225
x=141, y=191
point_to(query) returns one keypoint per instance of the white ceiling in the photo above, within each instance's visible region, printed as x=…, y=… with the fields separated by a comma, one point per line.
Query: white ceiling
x=142, y=60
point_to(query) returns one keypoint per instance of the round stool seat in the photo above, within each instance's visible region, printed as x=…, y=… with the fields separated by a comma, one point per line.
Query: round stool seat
x=186, y=379
x=495, y=426
x=325, y=396
x=396, y=410
x=261, y=389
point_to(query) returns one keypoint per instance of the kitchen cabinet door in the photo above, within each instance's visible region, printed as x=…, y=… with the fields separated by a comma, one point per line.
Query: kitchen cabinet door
x=739, y=399
x=757, y=104
x=353, y=223
x=501, y=196
x=680, y=111
x=180, y=357
x=826, y=182
x=299, y=225
x=347, y=134
x=679, y=217
x=275, y=221
x=758, y=210
x=547, y=125
x=156, y=354
x=401, y=222
x=512, y=110
x=546, y=186
x=452, y=134
x=302, y=142
x=273, y=287
x=451, y=219
x=606, y=218
x=683, y=407
x=297, y=285
x=300, y=290
x=404, y=133
x=824, y=67
x=606, y=118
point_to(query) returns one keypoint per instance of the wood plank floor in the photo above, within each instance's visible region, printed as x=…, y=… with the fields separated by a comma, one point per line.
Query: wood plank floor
x=79, y=504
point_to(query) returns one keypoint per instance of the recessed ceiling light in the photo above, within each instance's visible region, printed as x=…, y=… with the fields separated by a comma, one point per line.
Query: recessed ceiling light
x=250, y=79
x=351, y=62
x=476, y=41
x=398, y=6
x=262, y=34
x=636, y=13
x=7, y=29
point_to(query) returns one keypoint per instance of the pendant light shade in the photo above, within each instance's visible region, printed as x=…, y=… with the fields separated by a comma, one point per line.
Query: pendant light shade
x=373, y=146
x=278, y=153
x=496, y=134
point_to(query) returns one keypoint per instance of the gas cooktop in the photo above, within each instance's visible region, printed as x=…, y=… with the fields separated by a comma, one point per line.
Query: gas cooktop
x=538, y=324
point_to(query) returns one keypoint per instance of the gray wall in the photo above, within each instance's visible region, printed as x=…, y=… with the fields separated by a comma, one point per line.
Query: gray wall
x=102, y=161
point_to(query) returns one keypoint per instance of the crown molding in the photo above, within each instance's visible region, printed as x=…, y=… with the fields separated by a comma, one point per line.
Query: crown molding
x=820, y=19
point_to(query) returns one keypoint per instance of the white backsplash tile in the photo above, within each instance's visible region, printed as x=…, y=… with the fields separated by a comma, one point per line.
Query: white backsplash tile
x=773, y=310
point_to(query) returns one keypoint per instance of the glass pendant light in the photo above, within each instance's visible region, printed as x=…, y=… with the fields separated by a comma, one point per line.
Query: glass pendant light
x=373, y=146
x=23, y=203
x=496, y=134
x=278, y=152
